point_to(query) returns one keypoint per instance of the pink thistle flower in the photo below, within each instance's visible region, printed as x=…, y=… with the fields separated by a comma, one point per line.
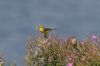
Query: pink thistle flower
x=70, y=64
x=94, y=38
x=81, y=43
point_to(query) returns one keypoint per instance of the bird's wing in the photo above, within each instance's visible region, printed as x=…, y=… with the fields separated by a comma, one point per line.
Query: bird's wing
x=49, y=29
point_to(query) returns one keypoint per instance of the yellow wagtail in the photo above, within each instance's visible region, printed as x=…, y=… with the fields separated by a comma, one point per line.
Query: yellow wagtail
x=44, y=30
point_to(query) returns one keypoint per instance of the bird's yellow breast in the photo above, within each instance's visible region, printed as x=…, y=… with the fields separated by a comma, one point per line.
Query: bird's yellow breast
x=41, y=29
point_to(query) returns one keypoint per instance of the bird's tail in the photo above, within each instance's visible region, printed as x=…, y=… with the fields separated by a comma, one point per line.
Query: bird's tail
x=53, y=29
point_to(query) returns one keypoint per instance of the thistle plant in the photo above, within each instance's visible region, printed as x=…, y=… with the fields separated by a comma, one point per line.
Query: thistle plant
x=55, y=51
x=62, y=52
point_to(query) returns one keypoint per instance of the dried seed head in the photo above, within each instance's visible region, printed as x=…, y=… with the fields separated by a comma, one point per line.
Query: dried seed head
x=1, y=59
x=74, y=41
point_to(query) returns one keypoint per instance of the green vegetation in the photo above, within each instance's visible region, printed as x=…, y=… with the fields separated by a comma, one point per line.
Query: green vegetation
x=55, y=51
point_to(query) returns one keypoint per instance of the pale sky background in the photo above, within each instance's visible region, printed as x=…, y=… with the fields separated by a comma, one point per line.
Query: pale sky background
x=69, y=17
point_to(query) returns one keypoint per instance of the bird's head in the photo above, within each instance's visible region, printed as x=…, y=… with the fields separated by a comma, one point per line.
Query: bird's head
x=41, y=26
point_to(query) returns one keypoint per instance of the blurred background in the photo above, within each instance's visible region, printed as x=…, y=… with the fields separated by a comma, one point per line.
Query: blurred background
x=69, y=17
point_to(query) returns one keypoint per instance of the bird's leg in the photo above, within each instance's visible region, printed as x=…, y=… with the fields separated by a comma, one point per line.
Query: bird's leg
x=45, y=36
